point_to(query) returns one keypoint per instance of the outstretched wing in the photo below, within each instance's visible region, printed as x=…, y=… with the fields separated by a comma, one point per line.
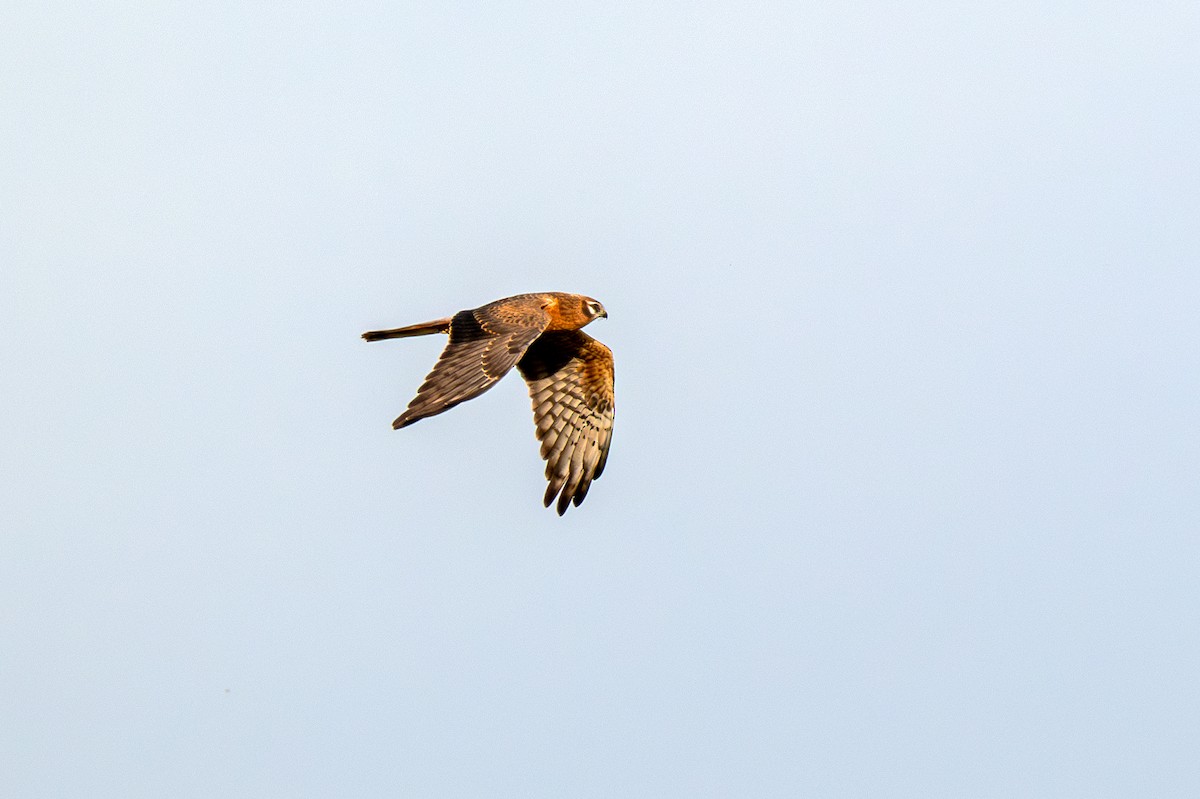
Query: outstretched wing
x=570, y=377
x=484, y=344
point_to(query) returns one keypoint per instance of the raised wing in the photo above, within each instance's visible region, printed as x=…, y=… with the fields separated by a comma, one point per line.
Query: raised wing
x=484, y=344
x=570, y=377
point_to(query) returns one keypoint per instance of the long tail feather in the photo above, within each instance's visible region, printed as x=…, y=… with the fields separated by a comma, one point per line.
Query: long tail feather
x=423, y=329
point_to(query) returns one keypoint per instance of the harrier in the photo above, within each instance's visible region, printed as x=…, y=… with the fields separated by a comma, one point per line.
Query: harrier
x=570, y=377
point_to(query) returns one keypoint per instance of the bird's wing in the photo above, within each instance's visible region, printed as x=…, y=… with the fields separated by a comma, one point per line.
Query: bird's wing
x=484, y=344
x=570, y=377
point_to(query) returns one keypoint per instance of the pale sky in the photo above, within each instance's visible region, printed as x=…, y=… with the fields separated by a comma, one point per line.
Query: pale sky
x=902, y=498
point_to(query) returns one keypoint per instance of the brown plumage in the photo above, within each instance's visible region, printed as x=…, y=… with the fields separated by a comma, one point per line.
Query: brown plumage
x=570, y=377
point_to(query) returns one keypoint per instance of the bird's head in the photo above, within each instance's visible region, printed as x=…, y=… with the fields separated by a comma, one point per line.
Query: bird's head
x=572, y=311
x=593, y=309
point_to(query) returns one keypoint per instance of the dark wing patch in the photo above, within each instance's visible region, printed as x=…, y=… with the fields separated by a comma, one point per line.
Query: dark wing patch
x=570, y=377
x=484, y=344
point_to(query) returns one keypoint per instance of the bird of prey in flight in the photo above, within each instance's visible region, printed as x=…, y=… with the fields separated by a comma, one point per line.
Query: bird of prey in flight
x=570, y=377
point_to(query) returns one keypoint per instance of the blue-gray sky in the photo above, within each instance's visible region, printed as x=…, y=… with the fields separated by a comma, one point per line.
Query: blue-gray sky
x=902, y=499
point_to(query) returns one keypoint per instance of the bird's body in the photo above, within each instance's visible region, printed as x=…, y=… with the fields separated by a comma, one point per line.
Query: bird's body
x=570, y=377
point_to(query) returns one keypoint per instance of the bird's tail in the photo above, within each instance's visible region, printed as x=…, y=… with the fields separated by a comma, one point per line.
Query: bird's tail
x=423, y=329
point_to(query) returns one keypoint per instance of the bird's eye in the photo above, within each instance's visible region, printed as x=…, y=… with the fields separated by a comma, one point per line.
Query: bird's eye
x=593, y=308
